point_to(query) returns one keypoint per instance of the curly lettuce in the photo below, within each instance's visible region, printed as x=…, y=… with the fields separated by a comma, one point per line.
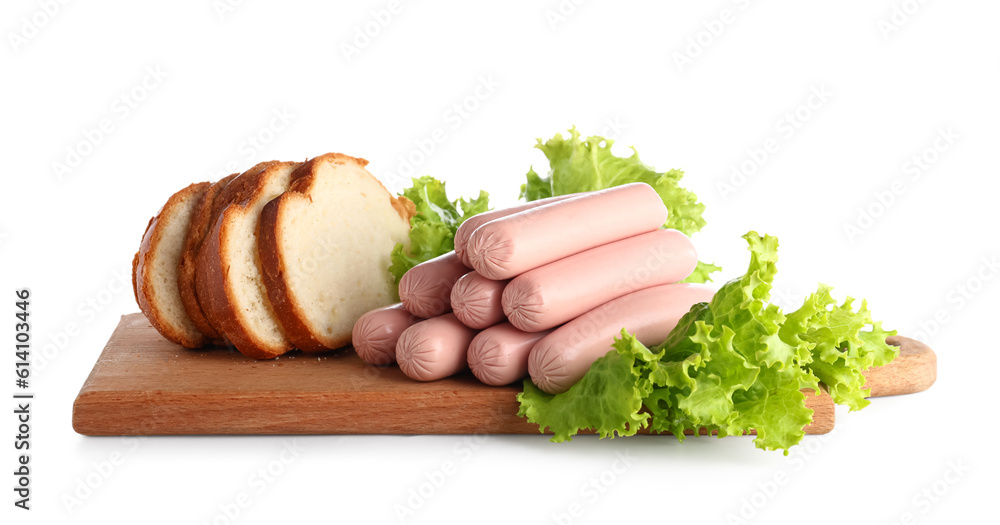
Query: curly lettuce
x=731, y=365
x=432, y=229
x=608, y=399
x=578, y=165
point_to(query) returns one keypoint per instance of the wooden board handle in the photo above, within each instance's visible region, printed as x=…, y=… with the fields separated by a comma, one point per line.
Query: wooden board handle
x=915, y=370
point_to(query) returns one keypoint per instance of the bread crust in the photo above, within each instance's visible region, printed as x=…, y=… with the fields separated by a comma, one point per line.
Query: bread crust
x=142, y=285
x=291, y=315
x=277, y=290
x=135, y=262
x=205, y=214
x=214, y=289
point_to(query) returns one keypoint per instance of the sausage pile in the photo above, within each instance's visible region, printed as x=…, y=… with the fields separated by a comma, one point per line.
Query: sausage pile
x=541, y=289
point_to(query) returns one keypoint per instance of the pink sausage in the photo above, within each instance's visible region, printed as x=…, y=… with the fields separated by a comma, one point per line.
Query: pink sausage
x=559, y=292
x=376, y=333
x=499, y=355
x=426, y=289
x=476, y=301
x=435, y=348
x=507, y=247
x=561, y=359
x=470, y=225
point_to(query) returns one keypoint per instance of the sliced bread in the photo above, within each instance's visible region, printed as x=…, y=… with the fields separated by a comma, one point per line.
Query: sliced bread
x=156, y=264
x=202, y=218
x=228, y=278
x=325, y=248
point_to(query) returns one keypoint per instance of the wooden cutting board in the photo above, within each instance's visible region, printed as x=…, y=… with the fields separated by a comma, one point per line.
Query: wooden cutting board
x=143, y=384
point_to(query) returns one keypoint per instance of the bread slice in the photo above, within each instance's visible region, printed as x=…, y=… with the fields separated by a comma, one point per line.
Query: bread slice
x=228, y=278
x=202, y=218
x=325, y=249
x=155, y=268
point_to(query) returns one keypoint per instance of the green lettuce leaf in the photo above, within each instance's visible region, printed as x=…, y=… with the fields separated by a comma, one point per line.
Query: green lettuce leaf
x=844, y=344
x=607, y=399
x=432, y=229
x=702, y=272
x=578, y=165
x=733, y=365
x=745, y=377
x=536, y=188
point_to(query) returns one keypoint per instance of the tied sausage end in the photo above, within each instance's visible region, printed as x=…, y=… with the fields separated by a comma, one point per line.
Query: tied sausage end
x=476, y=301
x=523, y=305
x=547, y=370
x=414, y=353
x=373, y=342
x=487, y=362
x=491, y=254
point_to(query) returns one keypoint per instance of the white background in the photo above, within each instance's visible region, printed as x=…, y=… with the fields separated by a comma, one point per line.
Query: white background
x=891, y=88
